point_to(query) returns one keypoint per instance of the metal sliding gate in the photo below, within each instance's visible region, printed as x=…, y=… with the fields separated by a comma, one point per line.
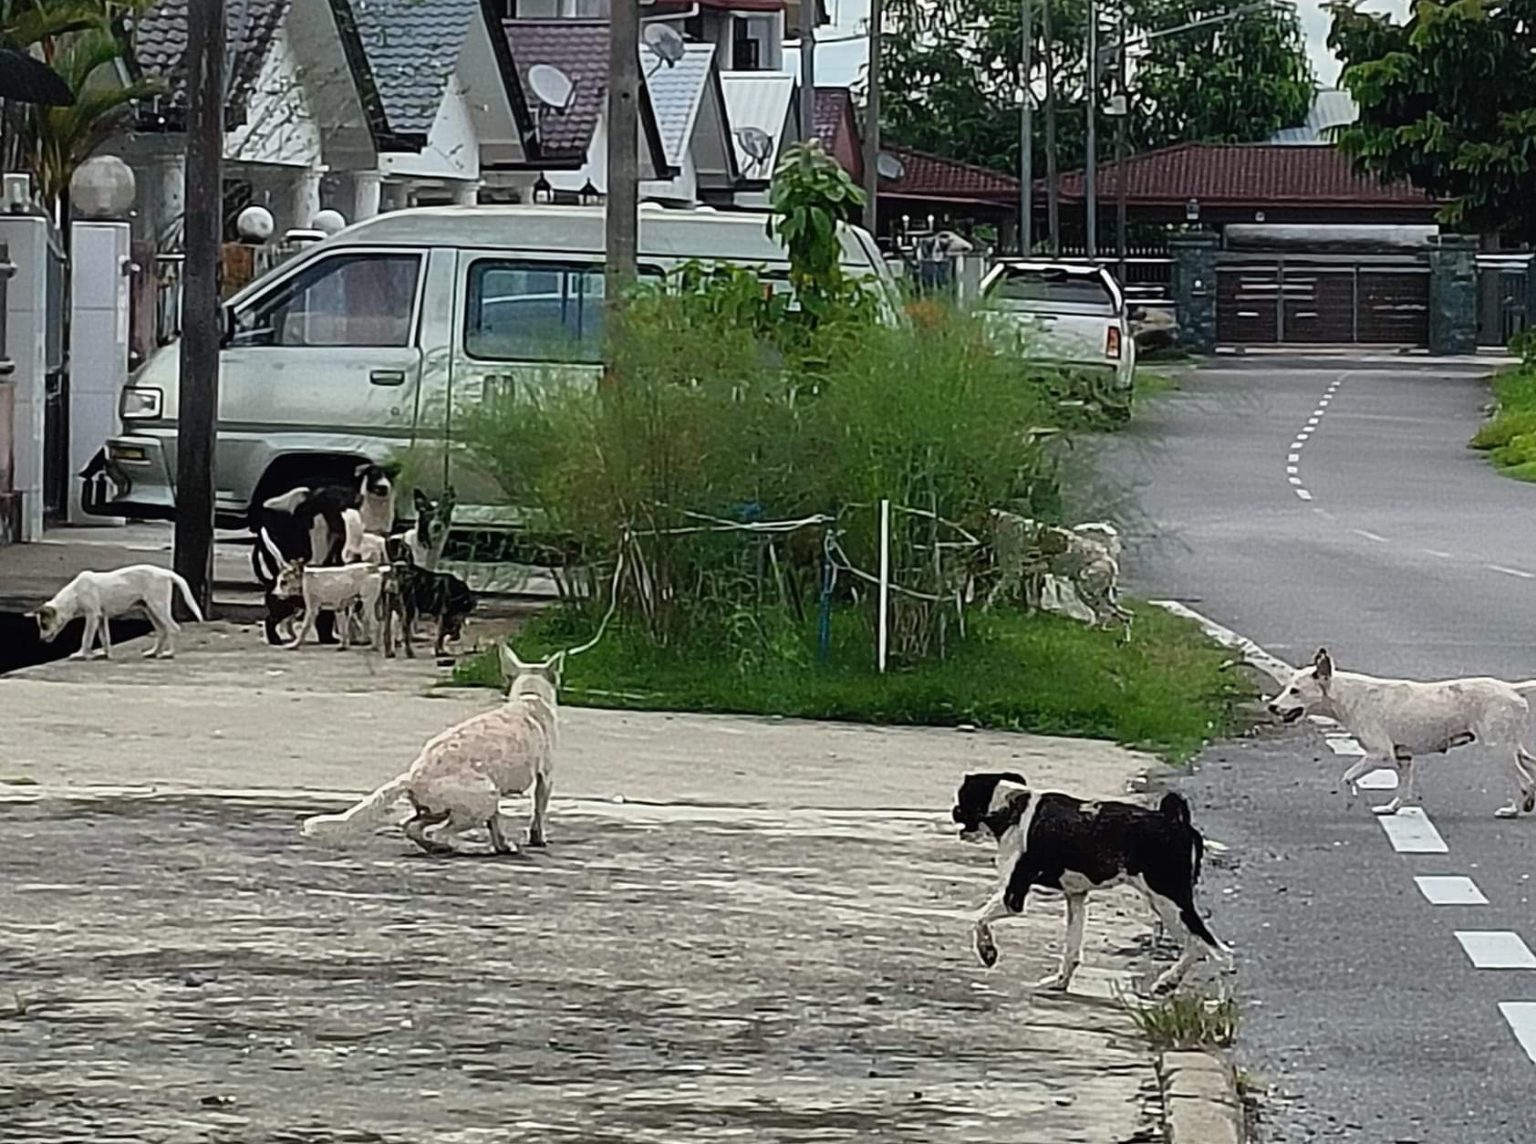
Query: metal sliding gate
x=1270, y=299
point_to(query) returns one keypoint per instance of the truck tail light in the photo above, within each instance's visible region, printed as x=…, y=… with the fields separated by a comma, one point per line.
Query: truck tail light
x=1112, y=343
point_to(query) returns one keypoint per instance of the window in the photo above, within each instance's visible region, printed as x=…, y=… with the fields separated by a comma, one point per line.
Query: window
x=522, y=311
x=362, y=299
x=1054, y=286
x=746, y=49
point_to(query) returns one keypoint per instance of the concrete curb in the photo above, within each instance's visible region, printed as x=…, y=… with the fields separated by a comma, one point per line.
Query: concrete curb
x=1200, y=1099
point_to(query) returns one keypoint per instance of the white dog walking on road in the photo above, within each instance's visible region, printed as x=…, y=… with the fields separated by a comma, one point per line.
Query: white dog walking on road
x=1395, y=720
x=457, y=782
x=103, y=596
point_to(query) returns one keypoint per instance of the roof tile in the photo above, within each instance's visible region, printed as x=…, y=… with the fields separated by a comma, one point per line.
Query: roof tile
x=159, y=47
x=1244, y=173
x=413, y=48
x=929, y=176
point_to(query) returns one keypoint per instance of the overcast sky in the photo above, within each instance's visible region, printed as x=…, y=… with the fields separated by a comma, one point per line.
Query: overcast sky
x=839, y=64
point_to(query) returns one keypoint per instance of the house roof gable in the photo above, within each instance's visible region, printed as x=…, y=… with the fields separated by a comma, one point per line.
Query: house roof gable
x=158, y=50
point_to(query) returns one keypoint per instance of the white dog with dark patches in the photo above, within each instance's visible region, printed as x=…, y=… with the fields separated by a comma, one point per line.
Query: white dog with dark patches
x=103, y=596
x=1397, y=720
x=458, y=781
x=1058, y=842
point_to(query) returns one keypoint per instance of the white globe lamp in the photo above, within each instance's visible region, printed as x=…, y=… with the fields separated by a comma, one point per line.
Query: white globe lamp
x=102, y=188
x=255, y=224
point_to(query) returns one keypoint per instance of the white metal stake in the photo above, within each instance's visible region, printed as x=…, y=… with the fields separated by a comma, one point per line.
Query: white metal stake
x=885, y=578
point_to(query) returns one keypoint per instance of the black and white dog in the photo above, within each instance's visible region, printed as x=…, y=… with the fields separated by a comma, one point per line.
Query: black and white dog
x=308, y=524
x=1063, y=843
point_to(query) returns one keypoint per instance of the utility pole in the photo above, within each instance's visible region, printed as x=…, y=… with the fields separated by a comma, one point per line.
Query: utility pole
x=1120, y=150
x=872, y=121
x=808, y=13
x=623, y=200
x=1052, y=182
x=1090, y=171
x=201, y=311
x=1026, y=132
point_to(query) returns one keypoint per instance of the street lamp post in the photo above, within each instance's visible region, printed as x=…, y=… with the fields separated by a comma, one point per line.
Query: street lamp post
x=1026, y=132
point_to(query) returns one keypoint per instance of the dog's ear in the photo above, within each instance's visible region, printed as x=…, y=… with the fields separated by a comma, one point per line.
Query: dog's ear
x=554, y=667
x=390, y=469
x=1322, y=665
x=422, y=503
x=362, y=468
x=511, y=666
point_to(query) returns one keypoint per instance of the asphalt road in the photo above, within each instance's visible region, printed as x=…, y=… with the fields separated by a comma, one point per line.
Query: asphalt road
x=1305, y=505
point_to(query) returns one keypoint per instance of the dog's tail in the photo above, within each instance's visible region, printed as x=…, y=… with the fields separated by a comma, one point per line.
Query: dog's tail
x=186, y=596
x=1175, y=808
x=267, y=559
x=358, y=817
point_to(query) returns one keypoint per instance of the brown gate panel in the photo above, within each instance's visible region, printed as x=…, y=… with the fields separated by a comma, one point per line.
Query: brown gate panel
x=1318, y=305
x=1393, y=308
x=1247, y=306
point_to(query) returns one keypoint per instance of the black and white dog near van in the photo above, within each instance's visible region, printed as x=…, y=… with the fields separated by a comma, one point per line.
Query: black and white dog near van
x=1059, y=842
x=307, y=524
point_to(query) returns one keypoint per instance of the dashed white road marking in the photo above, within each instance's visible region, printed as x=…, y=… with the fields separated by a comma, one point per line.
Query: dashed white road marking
x=1382, y=778
x=1291, y=470
x=1520, y=572
x=1438, y=554
x=1293, y=457
x=1369, y=535
x=1450, y=890
x=1345, y=745
x=1411, y=832
x=1496, y=949
x=1294, y=480
x=1303, y=494
x=1521, y=1016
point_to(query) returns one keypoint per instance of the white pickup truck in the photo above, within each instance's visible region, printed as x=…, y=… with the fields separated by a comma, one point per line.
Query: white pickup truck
x=1066, y=315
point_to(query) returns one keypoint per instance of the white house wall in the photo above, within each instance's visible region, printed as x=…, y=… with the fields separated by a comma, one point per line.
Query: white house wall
x=280, y=127
x=453, y=148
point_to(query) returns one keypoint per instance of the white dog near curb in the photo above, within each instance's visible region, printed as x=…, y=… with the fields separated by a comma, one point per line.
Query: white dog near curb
x=1395, y=720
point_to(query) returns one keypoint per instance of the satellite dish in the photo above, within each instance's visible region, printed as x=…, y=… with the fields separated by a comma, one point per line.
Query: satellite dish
x=665, y=43
x=551, y=86
x=757, y=145
x=889, y=167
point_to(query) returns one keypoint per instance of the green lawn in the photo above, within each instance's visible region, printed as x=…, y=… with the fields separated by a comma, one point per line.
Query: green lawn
x=1165, y=691
x=1509, y=436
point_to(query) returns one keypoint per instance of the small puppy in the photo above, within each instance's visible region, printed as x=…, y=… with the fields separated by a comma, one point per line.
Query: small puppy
x=103, y=596
x=438, y=594
x=1063, y=843
x=337, y=590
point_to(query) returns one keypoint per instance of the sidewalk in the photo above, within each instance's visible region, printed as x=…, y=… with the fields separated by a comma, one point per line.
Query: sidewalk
x=742, y=925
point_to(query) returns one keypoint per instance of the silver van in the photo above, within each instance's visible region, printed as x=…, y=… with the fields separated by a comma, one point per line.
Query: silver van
x=363, y=347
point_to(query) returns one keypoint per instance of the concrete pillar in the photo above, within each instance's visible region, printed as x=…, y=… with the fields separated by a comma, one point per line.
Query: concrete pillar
x=98, y=343
x=1194, y=289
x=395, y=196
x=1453, y=295
x=367, y=194
x=170, y=191
x=306, y=198
x=26, y=334
x=467, y=194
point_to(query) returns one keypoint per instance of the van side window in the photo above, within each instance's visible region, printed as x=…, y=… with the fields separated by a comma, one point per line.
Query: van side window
x=530, y=311
x=359, y=299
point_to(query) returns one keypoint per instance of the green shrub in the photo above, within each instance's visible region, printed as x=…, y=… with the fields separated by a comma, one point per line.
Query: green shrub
x=1166, y=690
x=1509, y=436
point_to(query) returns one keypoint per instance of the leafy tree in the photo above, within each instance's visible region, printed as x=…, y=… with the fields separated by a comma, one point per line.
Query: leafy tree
x=809, y=196
x=1448, y=100
x=82, y=40
x=950, y=75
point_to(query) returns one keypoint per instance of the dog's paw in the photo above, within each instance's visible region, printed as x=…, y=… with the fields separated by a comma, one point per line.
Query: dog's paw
x=1387, y=809
x=986, y=948
x=1510, y=811
x=1055, y=983
x=1529, y=805
x=536, y=842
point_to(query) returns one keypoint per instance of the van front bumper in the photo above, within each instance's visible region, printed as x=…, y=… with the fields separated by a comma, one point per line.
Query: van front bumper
x=131, y=479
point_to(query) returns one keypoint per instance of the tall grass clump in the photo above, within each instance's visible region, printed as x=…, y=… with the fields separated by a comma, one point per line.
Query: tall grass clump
x=1509, y=436
x=719, y=493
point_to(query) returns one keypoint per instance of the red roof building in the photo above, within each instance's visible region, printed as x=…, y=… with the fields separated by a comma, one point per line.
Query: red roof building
x=1217, y=184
